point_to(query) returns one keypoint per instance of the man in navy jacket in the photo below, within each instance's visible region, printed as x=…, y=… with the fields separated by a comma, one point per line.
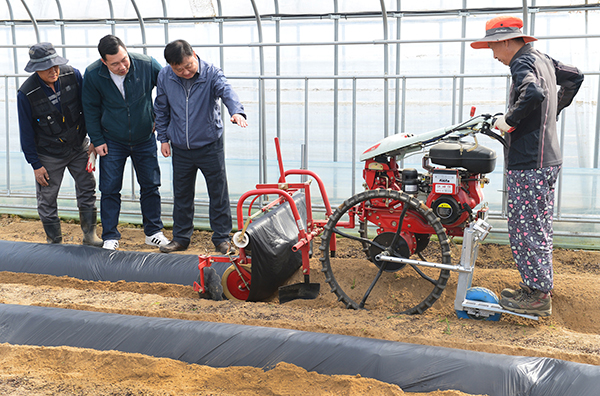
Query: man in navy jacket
x=188, y=116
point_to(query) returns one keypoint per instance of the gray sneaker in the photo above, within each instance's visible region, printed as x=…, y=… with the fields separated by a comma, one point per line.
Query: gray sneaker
x=528, y=301
x=512, y=293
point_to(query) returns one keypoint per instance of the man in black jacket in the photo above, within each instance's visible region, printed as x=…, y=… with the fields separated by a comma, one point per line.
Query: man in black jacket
x=533, y=159
x=53, y=137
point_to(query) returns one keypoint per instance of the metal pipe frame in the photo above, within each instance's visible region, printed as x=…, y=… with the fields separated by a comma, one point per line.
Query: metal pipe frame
x=398, y=68
x=355, y=15
x=386, y=61
x=317, y=43
x=13, y=33
x=6, y=115
x=336, y=33
x=6, y=97
x=62, y=28
x=165, y=21
x=262, y=177
x=33, y=20
x=112, y=21
x=277, y=72
x=461, y=89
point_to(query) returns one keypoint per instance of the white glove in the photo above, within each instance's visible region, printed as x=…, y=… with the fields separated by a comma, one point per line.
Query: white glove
x=91, y=164
x=502, y=125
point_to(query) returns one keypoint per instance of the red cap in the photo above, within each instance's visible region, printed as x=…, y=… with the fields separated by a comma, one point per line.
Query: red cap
x=502, y=28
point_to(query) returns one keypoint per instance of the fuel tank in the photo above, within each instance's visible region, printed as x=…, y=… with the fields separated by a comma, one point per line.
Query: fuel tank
x=471, y=156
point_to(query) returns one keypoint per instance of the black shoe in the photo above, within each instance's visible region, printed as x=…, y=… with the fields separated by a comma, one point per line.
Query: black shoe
x=224, y=248
x=172, y=247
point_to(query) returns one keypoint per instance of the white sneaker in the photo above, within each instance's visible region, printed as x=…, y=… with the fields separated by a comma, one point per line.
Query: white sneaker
x=110, y=244
x=158, y=239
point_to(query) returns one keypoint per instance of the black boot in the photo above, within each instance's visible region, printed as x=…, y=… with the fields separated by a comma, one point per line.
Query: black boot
x=53, y=232
x=88, y=219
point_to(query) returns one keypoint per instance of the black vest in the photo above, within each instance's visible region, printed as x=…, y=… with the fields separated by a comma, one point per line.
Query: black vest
x=56, y=134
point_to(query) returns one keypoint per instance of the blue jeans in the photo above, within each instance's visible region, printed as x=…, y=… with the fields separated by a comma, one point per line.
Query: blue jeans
x=112, y=166
x=210, y=160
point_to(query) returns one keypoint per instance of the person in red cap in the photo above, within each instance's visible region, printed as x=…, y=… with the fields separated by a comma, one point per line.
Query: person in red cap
x=533, y=159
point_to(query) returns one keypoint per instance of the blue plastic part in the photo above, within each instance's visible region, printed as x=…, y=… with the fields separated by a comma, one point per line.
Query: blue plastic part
x=480, y=294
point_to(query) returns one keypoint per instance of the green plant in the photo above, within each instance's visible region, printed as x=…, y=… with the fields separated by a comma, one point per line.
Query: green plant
x=447, y=329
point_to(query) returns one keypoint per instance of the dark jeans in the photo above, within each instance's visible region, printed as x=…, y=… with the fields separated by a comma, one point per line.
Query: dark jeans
x=210, y=160
x=112, y=166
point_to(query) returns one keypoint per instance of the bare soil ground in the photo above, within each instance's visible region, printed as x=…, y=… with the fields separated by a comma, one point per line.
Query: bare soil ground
x=571, y=333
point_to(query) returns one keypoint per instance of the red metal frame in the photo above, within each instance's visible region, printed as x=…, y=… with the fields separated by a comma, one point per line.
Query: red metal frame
x=284, y=191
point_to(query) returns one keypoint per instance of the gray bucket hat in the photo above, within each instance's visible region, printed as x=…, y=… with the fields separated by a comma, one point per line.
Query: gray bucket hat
x=42, y=56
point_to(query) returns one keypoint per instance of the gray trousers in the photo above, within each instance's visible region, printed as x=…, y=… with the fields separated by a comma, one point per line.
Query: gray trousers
x=85, y=184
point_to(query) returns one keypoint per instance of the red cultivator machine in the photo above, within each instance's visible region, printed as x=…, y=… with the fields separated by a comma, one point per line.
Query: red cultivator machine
x=400, y=225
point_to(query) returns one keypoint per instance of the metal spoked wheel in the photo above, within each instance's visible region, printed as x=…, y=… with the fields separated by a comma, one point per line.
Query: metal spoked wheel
x=409, y=289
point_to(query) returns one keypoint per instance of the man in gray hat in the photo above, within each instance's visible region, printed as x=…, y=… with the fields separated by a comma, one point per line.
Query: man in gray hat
x=533, y=158
x=53, y=137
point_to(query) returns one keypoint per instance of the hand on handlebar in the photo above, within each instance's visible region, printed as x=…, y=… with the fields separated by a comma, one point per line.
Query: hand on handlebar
x=494, y=120
x=502, y=125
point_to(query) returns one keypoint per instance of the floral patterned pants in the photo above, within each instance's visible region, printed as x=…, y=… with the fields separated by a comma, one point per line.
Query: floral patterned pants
x=530, y=211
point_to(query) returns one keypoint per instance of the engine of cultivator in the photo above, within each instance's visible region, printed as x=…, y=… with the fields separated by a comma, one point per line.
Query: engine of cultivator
x=452, y=190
